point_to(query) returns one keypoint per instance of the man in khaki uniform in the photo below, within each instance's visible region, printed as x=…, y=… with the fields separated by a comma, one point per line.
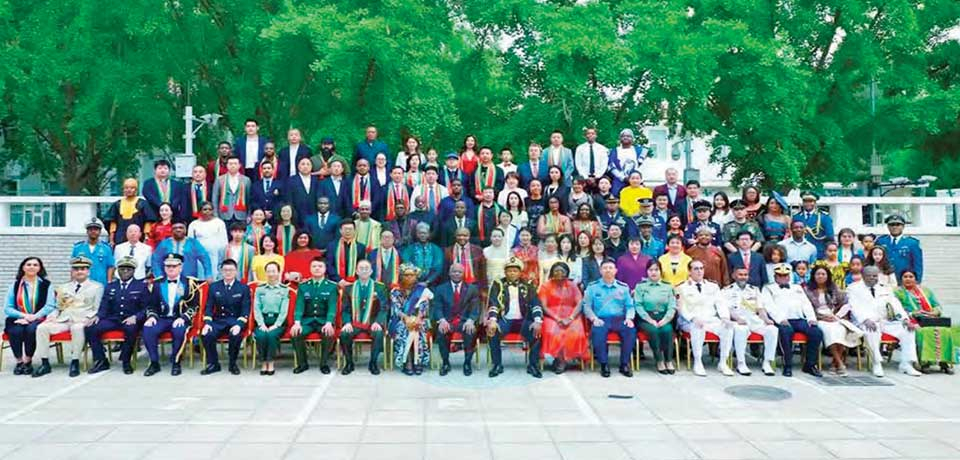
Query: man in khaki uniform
x=77, y=303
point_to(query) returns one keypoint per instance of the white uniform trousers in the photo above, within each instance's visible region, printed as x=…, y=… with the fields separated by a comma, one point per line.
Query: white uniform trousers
x=714, y=325
x=769, y=332
x=48, y=328
x=907, y=338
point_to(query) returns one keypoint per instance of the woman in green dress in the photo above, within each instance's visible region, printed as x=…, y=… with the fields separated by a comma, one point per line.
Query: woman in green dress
x=270, y=306
x=656, y=303
x=935, y=344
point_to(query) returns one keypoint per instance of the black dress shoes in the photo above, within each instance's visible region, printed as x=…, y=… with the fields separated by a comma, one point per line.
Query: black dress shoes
x=44, y=369
x=324, y=369
x=18, y=370
x=787, y=372
x=373, y=368
x=496, y=370
x=234, y=369
x=152, y=369
x=127, y=368
x=210, y=369
x=74, y=367
x=347, y=369
x=604, y=371
x=813, y=370
x=444, y=369
x=467, y=369
x=534, y=370
x=176, y=370
x=99, y=366
x=299, y=369
x=626, y=371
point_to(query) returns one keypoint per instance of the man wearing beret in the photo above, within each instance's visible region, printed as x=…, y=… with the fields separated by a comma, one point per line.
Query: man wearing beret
x=77, y=302
x=903, y=250
x=122, y=308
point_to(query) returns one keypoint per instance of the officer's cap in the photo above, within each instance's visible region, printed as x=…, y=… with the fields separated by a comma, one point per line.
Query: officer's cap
x=645, y=221
x=895, y=219
x=94, y=223
x=80, y=262
x=782, y=269
x=127, y=261
x=173, y=259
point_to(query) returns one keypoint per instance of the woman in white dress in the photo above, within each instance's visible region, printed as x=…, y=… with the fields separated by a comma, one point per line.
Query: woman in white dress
x=211, y=233
x=511, y=232
x=568, y=255
x=496, y=255
x=833, y=313
x=721, y=209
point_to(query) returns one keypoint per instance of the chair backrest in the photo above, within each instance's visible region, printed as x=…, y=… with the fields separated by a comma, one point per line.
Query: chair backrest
x=291, y=307
x=197, y=323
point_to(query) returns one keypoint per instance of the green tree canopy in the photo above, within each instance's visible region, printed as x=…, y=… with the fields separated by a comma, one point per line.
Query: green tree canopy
x=88, y=85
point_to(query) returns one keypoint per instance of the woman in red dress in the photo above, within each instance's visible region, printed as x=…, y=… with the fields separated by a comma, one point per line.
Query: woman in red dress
x=163, y=229
x=564, y=338
x=528, y=253
x=296, y=264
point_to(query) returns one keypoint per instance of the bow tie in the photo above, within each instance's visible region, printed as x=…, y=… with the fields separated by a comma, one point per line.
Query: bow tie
x=173, y=281
x=784, y=286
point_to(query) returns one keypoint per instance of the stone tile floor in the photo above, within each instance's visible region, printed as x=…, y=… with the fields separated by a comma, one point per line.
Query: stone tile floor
x=357, y=417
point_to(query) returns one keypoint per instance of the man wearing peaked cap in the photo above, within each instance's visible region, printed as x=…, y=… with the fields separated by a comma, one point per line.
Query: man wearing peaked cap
x=740, y=224
x=904, y=251
x=176, y=298
x=122, y=308
x=788, y=306
x=702, y=212
x=819, y=223
x=77, y=302
x=513, y=306
x=98, y=252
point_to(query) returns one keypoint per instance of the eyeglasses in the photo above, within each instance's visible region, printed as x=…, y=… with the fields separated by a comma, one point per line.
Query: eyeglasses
x=696, y=268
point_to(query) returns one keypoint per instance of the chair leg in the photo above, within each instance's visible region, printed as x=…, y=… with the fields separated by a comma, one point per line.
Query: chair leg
x=689, y=357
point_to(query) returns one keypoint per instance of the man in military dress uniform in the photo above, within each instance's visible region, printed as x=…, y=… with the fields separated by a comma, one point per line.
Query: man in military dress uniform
x=738, y=225
x=748, y=315
x=97, y=252
x=819, y=224
x=613, y=215
x=904, y=251
x=315, y=311
x=607, y=303
x=226, y=312
x=514, y=307
x=364, y=309
x=791, y=309
x=701, y=311
x=877, y=311
x=77, y=302
x=123, y=308
x=702, y=220
x=456, y=309
x=176, y=299
x=650, y=245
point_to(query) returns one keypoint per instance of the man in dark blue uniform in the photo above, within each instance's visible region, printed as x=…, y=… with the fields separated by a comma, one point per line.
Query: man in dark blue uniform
x=613, y=215
x=122, y=308
x=226, y=312
x=175, y=301
x=904, y=251
x=819, y=224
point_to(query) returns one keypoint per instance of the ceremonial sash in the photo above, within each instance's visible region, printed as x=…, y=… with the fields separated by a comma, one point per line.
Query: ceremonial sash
x=240, y=204
x=243, y=260
x=480, y=223
x=392, y=200
x=163, y=192
x=255, y=234
x=355, y=306
x=463, y=257
x=285, y=235
x=552, y=222
x=483, y=180
x=360, y=195
x=390, y=264
x=346, y=261
x=195, y=200
x=27, y=301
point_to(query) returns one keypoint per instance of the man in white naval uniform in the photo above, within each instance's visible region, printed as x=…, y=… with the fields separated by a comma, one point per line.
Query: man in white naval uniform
x=746, y=310
x=877, y=311
x=700, y=312
x=791, y=309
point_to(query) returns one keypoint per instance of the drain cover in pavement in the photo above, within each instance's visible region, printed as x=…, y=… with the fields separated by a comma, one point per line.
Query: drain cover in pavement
x=855, y=381
x=758, y=392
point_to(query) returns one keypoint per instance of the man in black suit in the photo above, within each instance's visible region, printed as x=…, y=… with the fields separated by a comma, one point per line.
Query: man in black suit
x=535, y=168
x=161, y=188
x=456, y=309
x=323, y=225
x=744, y=257
x=250, y=147
x=337, y=187
x=303, y=190
x=226, y=312
x=268, y=193
x=291, y=154
x=446, y=231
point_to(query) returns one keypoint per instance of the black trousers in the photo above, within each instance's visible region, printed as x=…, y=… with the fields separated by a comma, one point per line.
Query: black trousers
x=23, y=337
x=105, y=325
x=814, y=339
x=220, y=328
x=516, y=325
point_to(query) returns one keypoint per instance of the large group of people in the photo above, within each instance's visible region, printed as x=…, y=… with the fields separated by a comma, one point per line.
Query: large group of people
x=558, y=252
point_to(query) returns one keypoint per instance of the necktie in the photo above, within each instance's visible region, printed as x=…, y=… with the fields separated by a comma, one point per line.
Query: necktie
x=363, y=186
x=266, y=186
x=196, y=189
x=131, y=250
x=432, y=199
x=456, y=294
x=323, y=220
x=77, y=289
x=396, y=192
x=123, y=286
x=699, y=287
x=873, y=291
x=534, y=167
x=593, y=162
x=746, y=260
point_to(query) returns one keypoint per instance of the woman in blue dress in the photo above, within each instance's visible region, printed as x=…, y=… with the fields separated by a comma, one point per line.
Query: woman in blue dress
x=410, y=321
x=775, y=221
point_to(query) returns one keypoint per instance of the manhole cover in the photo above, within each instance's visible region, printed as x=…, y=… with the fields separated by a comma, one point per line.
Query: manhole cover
x=758, y=392
x=855, y=381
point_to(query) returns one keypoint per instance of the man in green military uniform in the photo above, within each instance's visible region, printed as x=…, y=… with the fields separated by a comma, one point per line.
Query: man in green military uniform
x=739, y=224
x=364, y=310
x=315, y=311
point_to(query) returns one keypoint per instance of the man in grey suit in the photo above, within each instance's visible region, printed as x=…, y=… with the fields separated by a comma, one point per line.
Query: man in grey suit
x=231, y=194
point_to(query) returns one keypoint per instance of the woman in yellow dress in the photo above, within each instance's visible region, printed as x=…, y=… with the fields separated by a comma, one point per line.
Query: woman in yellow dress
x=268, y=244
x=631, y=194
x=675, y=262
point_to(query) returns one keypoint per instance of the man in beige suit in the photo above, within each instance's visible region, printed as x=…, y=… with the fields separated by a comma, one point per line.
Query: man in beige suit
x=77, y=302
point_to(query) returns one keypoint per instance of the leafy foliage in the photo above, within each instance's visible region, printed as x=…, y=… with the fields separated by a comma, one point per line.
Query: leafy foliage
x=88, y=85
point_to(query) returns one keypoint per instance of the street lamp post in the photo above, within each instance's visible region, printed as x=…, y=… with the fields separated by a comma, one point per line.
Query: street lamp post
x=186, y=162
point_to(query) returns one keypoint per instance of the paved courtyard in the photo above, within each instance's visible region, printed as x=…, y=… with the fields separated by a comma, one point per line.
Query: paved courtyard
x=574, y=416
